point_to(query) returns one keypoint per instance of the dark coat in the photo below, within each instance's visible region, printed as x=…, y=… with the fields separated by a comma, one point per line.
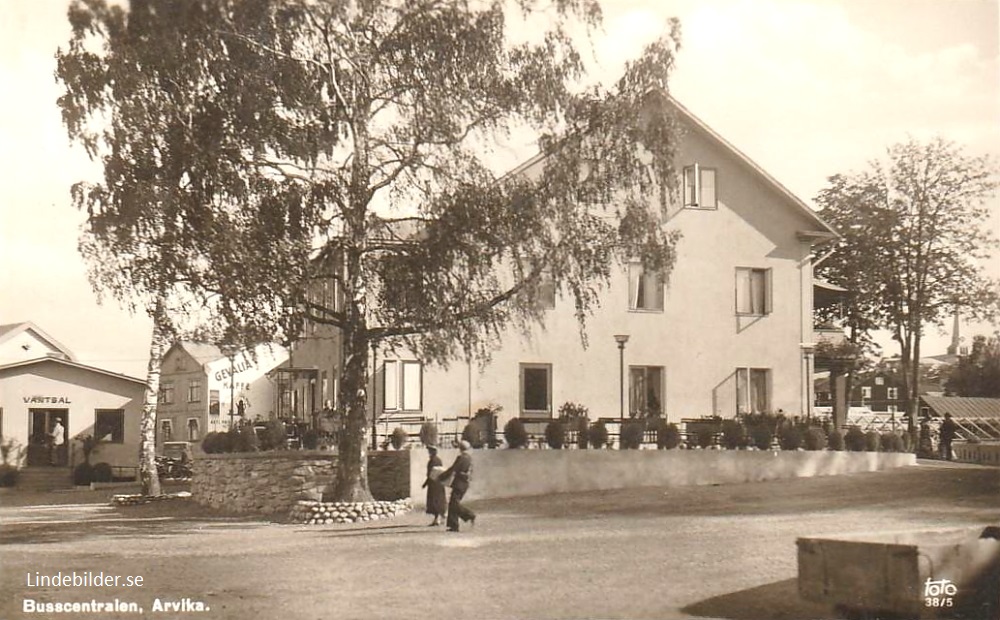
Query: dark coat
x=437, y=501
x=461, y=469
x=948, y=430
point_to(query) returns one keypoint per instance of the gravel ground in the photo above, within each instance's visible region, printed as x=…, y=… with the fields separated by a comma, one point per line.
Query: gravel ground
x=696, y=552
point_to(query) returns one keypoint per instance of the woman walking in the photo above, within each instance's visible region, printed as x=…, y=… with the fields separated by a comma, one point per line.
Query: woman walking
x=437, y=504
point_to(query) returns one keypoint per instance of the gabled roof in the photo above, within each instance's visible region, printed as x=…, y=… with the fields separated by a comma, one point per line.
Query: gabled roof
x=821, y=231
x=963, y=406
x=71, y=364
x=202, y=352
x=10, y=330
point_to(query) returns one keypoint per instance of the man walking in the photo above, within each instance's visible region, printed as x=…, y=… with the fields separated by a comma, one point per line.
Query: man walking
x=461, y=471
x=948, y=431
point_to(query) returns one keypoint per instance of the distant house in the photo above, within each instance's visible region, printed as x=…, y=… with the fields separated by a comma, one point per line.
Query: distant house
x=42, y=383
x=203, y=390
x=730, y=332
x=880, y=392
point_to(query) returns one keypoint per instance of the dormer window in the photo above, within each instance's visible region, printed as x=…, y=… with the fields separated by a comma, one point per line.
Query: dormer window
x=699, y=187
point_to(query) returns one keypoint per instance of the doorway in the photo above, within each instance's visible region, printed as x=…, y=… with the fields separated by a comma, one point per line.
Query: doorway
x=42, y=450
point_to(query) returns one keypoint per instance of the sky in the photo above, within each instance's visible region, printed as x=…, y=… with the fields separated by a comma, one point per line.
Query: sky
x=806, y=88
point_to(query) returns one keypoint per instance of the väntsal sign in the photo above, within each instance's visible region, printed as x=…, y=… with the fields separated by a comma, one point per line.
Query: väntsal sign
x=46, y=400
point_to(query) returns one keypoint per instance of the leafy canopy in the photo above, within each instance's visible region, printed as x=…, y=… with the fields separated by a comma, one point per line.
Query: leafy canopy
x=256, y=148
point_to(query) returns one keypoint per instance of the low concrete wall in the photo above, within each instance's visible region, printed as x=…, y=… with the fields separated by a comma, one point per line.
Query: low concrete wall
x=982, y=453
x=514, y=473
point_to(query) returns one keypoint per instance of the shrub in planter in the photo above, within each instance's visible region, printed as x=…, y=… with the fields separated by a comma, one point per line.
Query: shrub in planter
x=83, y=474
x=632, y=432
x=310, y=439
x=515, y=434
x=790, y=437
x=429, y=434
x=761, y=436
x=242, y=439
x=8, y=475
x=399, y=438
x=854, y=440
x=555, y=434
x=582, y=424
x=909, y=443
x=216, y=443
x=872, y=441
x=734, y=435
x=814, y=439
x=890, y=442
x=835, y=440
x=598, y=435
x=273, y=437
x=668, y=436
x=474, y=433
x=102, y=473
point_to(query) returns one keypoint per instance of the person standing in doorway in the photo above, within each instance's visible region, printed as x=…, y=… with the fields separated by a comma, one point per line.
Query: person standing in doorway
x=437, y=502
x=461, y=473
x=948, y=431
x=56, y=443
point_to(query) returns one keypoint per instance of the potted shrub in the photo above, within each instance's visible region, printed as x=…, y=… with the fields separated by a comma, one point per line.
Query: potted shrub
x=632, y=432
x=814, y=439
x=399, y=438
x=515, y=434
x=734, y=435
x=835, y=440
x=761, y=436
x=854, y=440
x=582, y=424
x=474, y=433
x=668, y=436
x=790, y=437
x=102, y=472
x=429, y=434
x=872, y=441
x=555, y=434
x=598, y=435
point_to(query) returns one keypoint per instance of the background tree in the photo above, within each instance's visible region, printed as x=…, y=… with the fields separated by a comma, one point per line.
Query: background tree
x=350, y=142
x=913, y=241
x=978, y=373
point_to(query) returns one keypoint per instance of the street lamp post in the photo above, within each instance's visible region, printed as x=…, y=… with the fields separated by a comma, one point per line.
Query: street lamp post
x=621, y=339
x=232, y=388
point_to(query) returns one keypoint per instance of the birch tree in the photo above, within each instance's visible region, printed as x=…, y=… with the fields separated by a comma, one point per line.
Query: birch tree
x=352, y=142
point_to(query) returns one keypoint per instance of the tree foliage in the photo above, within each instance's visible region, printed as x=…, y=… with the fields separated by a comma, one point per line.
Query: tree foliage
x=978, y=373
x=270, y=150
x=913, y=239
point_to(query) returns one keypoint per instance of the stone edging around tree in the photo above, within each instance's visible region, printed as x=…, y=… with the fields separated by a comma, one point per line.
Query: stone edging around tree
x=137, y=499
x=315, y=513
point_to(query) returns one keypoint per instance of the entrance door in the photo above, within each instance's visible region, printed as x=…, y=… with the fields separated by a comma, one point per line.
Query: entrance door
x=41, y=422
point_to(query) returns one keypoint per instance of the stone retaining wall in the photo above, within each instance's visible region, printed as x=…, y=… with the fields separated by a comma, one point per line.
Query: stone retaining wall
x=272, y=482
x=514, y=473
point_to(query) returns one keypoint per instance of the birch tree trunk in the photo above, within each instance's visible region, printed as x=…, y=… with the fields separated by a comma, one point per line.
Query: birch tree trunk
x=147, y=424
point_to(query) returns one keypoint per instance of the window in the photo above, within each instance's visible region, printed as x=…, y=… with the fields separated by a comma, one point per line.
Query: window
x=402, y=386
x=699, y=187
x=753, y=390
x=892, y=393
x=752, y=291
x=167, y=393
x=536, y=388
x=892, y=409
x=194, y=391
x=645, y=290
x=866, y=392
x=109, y=425
x=166, y=430
x=213, y=402
x=192, y=429
x=645, y=390
x=879, y=380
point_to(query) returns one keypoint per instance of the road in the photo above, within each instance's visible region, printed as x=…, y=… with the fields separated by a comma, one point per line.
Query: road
x=696, y=552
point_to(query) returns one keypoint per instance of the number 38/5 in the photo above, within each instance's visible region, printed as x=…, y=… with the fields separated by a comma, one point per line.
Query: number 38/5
x=934, y=601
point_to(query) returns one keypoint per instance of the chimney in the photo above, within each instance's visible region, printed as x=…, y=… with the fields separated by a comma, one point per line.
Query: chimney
x=956, y=337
